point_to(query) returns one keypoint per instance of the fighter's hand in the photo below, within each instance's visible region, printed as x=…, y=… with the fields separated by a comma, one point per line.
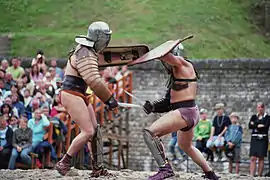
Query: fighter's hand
x=111, y=103
x=148, y=107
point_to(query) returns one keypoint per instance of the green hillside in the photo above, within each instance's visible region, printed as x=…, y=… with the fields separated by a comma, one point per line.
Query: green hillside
x=221, y=27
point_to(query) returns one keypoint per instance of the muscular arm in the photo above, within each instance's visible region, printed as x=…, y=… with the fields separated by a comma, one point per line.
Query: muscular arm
x=87, y=65
x=174, y=60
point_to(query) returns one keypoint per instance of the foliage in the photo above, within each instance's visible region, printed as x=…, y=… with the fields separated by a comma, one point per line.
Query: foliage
x=222, y=28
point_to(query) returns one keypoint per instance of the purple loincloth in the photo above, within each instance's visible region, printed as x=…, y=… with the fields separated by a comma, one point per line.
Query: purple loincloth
x=191, y=115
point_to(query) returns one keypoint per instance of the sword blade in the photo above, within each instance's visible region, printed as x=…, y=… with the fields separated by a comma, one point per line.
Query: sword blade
x=127, y=105
x=141, y=102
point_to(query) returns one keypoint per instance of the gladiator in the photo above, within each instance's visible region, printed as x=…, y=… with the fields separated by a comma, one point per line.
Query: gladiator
x=82, y=71
x=181, y=115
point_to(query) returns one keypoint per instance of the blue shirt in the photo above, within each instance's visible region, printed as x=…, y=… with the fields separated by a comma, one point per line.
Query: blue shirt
x=3, y=140
x=234, y=134
x=38, y=129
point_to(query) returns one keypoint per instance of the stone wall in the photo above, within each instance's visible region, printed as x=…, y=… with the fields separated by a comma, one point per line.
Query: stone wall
x=238, y=83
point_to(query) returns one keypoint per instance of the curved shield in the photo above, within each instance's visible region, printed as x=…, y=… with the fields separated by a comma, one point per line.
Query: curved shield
x=159, y=51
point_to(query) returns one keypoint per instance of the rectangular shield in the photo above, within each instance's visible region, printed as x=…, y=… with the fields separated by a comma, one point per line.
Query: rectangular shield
x=121, y=55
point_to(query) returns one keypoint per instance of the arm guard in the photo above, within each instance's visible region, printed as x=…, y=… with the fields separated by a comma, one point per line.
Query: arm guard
x=163, y=105
x=87, y=66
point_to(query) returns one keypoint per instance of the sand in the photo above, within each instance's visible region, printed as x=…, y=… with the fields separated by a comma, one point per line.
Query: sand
x=126, y=174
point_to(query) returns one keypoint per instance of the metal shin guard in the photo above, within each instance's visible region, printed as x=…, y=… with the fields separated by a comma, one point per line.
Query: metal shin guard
x=97, y=149
x=155, y=146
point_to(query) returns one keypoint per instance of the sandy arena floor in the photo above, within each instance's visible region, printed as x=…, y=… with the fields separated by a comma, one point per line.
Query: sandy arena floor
x=41, y=174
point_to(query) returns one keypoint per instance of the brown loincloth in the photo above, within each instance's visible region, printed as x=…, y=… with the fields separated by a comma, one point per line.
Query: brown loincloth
x=75, y=93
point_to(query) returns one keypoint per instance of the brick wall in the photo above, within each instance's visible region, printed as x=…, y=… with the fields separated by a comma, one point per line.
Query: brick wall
x=238, y=83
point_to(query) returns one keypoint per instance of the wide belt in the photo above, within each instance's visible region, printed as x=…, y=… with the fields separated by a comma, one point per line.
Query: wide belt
x=74, y=83
x=183, y=104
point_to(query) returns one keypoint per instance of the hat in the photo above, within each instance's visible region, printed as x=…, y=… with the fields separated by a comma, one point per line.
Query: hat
x=233, y=114
x=203, y=111
x=219, y=106
x=58, y=80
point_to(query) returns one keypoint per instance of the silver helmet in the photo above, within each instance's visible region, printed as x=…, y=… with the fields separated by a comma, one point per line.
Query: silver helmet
x=98, y=36
x=179, y=50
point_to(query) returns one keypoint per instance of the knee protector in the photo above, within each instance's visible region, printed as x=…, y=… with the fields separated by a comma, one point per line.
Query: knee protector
x=97, y=148
x=155, y=146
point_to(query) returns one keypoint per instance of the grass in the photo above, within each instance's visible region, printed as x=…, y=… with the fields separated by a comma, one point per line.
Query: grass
x=221, y=27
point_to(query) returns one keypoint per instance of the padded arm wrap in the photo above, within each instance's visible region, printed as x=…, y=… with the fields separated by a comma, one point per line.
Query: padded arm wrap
x=88, y=69
x=163, y=105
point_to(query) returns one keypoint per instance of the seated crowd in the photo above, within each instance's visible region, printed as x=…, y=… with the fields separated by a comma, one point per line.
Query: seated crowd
x=29, y=104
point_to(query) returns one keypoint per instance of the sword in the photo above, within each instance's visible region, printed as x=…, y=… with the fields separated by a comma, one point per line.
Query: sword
x=128, y=105
x=141, y=102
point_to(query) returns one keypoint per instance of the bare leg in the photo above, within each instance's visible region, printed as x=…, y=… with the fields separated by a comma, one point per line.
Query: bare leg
x=237, y=167
x=78, y=111
x=252, y=167
x=170, y=122
x=261, y=166
x=185, y=143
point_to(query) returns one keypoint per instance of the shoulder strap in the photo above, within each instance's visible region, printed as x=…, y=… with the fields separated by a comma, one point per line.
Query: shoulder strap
x=69, y=58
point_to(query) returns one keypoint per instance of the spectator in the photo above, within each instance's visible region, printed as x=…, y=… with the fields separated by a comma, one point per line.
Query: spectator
x=21, y=87
x=2, y=73
x=124, y=70
x=9, y=81
x=48, y=79
x=22, y=144
x=15, y=91
x=17, y=104
x=28, y=83
x=202, y=133
x=6, y=110
x=14, y=109
x=16, y=70
x=58, y=82
x=3, y=90
x=259, y=124
x=108, y=75
x=5, y=142
x=35, y=74
x=58, y=71
x=34, y=106
x=27, y=98
x=219, y=127
x=233, y=137
x=13, y=123
x=53, y=73
x=4, y=64
x=40, y=62
x=43, y=91
x=38, y=125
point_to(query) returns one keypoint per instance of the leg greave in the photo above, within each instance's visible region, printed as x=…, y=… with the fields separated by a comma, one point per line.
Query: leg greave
x=97, y=148
x=155, y=146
